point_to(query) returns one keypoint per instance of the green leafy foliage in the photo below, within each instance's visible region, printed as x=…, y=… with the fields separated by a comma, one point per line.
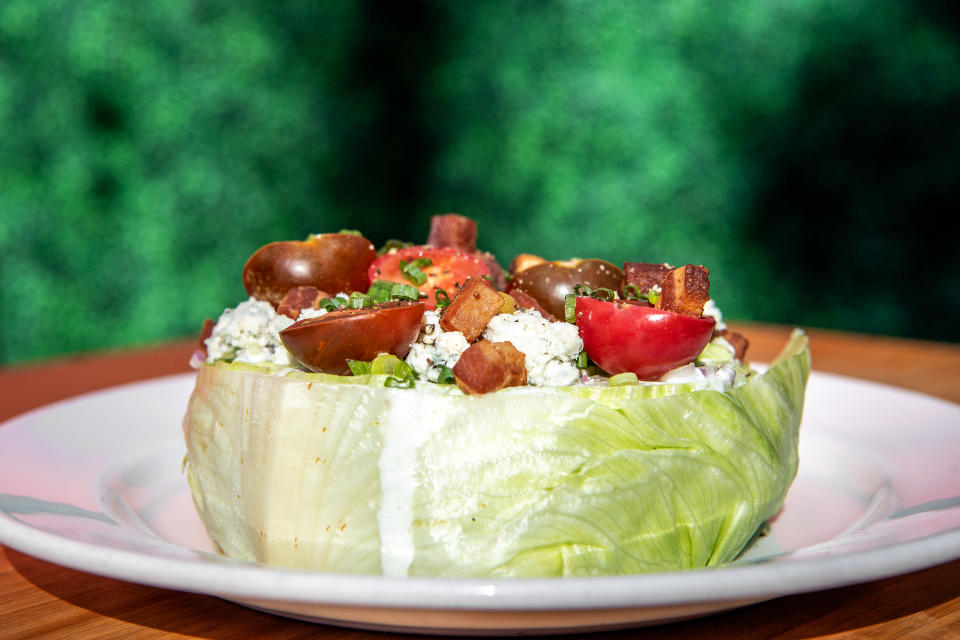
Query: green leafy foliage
x=806, y=152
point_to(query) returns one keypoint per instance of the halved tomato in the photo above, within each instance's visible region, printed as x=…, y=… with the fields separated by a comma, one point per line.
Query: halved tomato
x=550, y=282
x=325, y=343
x=621, y=337
x=448, y=269
x=331, y=262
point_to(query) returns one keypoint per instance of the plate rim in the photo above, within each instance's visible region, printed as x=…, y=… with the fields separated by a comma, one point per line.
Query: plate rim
x=236, y=580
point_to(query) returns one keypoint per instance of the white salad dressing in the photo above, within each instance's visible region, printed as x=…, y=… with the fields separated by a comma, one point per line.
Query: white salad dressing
x=411, y=422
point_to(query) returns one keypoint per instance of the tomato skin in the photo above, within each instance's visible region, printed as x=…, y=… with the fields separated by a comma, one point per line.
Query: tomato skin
x=331, y=262
x=621, y=337
x=325, y=343
x=449, y=271
x=549, y=283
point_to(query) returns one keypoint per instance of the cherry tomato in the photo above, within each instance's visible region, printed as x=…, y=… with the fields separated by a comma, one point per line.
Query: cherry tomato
x=621, y=337
x=332, y=262
x=550, y=282
x=325, y=343
x=448, y=270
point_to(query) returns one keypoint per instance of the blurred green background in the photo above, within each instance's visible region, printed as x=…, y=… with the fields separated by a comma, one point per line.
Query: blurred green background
x=807, y=152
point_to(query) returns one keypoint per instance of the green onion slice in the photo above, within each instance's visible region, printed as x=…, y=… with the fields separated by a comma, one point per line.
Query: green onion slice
x=393, y=244
x=632, y=292
x=332, y=304
x=570, y=308
x=359, y=367
x=412, y=270
x=381, y=290
x=602, y=293
x=442, y=298
x=446, y=376
x=406, y=382
x=582, y=290
x=582, y=360
x=404, y=292
x=359, y=301
x=623, y=379
x=350, y=232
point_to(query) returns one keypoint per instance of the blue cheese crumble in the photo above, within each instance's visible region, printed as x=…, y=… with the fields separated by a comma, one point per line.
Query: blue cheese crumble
x=249, y=333
x=550, y=348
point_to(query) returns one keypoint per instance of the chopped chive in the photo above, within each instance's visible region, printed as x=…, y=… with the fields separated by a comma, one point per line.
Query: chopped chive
x=412, y=270
x=632, y=292
x=331, y=304
x=380, y=290
x=359, y=301
x=350, y=232
x=582, y=290
x=393, y=244
x=570, y=308
x=582, y=360
x=359, y=367
x=446, y=376
x=406, y=382
x=442, y=298
x=623, y=379
x=404, y=292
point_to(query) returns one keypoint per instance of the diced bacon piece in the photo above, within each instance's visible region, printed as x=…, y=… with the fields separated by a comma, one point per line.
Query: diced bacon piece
x=453, y=230
x=738, y=341
x=475, y=304
x=527, y=301
x=524, y=261
x=489, y=366
x=685, y=290
x=644, y=274
x=300, y=298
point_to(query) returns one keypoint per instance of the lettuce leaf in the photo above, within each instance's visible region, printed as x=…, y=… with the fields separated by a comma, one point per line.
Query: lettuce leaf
x=341, y=474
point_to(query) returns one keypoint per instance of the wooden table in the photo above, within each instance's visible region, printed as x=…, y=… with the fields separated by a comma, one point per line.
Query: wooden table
x=43, y=600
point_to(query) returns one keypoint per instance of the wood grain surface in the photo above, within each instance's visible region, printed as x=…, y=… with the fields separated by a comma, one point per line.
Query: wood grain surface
x=42, y=600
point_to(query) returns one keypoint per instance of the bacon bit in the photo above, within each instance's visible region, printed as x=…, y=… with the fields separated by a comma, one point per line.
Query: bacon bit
x=685, y=290
x=738, y=341
x=644, y=275
x=299, y=298
x=453, y=230
x=489, y=366
x=472, y=308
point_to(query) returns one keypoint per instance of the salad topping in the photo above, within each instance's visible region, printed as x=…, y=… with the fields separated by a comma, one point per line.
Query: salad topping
x=332, y=304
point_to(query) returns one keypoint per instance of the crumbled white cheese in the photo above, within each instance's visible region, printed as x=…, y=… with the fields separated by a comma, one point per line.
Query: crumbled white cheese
x=550, y=348
x=720, y=378
x=249, y=333
x=711, y=310
x=435, y=348
x=306, y=313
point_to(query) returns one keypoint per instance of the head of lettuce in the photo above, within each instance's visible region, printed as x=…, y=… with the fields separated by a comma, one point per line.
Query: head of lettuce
x=343, y=474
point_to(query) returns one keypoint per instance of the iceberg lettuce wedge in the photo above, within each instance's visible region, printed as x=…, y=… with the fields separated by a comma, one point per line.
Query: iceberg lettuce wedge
x=342, y=474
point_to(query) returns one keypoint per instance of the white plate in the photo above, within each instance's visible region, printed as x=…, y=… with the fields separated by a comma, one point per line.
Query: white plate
x=94, y=483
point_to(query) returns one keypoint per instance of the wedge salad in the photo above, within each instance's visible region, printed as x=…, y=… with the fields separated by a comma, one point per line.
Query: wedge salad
x=419, y=411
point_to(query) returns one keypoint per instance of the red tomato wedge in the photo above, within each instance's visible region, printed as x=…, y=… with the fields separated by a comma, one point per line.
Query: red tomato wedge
x=621, y=337
x=326, y=342
x=448, y=270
